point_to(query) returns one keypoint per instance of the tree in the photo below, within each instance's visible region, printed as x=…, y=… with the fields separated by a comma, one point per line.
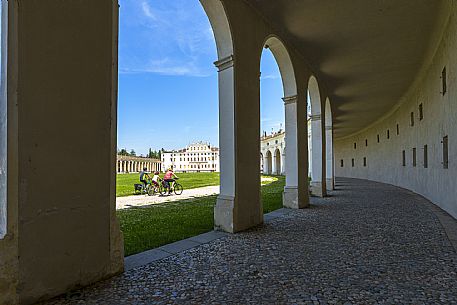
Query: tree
x=150, y=153
x=123, y=152
x=132, y=153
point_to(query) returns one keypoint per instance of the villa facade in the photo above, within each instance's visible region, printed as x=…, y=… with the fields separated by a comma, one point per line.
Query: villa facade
x=195, y=158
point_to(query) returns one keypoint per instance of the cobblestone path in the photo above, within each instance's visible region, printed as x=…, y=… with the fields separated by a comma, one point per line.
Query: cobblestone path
x=368, y=243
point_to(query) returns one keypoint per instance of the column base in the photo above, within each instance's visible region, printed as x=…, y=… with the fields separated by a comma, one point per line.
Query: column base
x=224, y=214
x=330, y=184
x=116, y=249
x=317, y=190
x=9, y=270
x=291, y=200
x=229, y=218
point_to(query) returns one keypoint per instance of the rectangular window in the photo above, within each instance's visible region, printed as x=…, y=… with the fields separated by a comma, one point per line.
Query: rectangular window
x=412, y=119
x=378, y=138
x=388, y=134
x=364, y=161
x=425, y=156
x=443, y=81
x=342, y=163
x=421, y=112
x=404, y=158
x=398, y=129
x=414, y=157
x=353, y=162
x=3, y=118
x=445, y=152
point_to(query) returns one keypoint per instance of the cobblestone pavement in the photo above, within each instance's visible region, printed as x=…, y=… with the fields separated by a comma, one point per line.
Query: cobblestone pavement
x=368, y=243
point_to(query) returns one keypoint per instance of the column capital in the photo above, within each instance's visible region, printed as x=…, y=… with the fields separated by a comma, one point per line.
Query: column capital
x=315, y=117
x=290, y=99
x=225, y=63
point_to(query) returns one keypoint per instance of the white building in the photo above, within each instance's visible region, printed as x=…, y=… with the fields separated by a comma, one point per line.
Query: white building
x=273, y=152
x=197, y=157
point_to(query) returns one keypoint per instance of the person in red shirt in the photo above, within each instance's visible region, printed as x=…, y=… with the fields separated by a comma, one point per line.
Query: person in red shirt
x=169, y=178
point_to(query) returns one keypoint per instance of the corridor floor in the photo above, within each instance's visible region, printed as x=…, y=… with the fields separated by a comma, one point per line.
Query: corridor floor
x=368, y=243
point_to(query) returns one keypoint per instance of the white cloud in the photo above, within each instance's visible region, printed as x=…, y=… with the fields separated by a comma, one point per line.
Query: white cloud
x=166, y=37
x=167, y=67
x=147, y=10
x=270, y=76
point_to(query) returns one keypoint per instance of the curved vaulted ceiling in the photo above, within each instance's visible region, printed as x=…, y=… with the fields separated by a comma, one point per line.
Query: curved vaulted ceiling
x=366, y=53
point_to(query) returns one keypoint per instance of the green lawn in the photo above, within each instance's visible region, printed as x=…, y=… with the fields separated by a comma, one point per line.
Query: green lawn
x=150, y=227
x=125, y=182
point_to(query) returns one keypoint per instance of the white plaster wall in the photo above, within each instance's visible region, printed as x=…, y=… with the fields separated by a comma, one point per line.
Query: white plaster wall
x=384, y=159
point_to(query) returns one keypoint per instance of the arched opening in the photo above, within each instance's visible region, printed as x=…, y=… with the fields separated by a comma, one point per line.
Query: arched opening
x=287, y=162
x=330, y=183
x=316, y=139
x=167, y=92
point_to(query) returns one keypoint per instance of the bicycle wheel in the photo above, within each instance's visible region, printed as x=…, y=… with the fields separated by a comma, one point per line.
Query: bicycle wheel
x=162, y=190
x=151, y=190
x=178, y=189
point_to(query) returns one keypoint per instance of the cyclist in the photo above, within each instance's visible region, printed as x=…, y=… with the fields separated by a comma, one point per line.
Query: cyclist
x=144, y=177
x=156, y=179
x=169, y=178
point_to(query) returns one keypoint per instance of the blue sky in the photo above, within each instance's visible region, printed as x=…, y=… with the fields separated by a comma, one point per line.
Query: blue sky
x=168, y=95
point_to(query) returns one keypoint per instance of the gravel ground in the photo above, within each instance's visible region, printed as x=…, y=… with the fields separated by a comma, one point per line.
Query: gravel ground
x=367, y=243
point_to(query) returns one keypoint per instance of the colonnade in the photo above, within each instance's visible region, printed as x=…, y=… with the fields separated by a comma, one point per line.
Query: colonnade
x=272, y=163
x=127, y=166
x=69, y=232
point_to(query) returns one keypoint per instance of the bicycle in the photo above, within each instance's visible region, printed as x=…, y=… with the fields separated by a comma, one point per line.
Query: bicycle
x=150, y=189
x=156, y=189
x=176, y=188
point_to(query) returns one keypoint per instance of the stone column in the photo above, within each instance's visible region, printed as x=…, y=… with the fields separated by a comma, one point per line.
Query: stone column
x=318, y=155
x=329, y=158
x=60, y=237
x=295, y=192
x=283, y=160
x=274, y=165
x=238, y=206
x=265, y=165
